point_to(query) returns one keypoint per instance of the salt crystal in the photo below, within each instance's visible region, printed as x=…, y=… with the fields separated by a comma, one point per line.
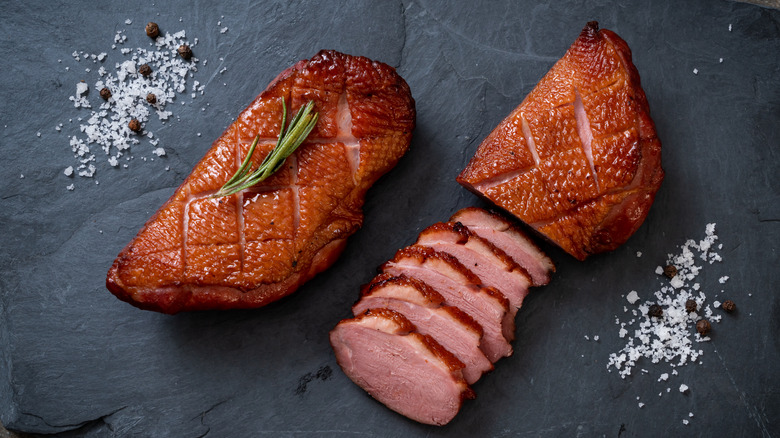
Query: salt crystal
x=685, y=422
x=729, y=27
x=128, y=21
x=683, y=387
x=223, y=30
x=695, y=71
x=107, y=125
x=670, y=338
x=663, y=377
x=71, y=187
x=723, y=279
x=659, y=270
x=68, y=171
x=690, y=414
x=641, y=405
x=639, y=253
x=720, y=60
x=38, y=133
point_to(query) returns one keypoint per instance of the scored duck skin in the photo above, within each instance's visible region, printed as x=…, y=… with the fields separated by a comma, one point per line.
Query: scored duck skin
x=578, y=160
x=254, y=247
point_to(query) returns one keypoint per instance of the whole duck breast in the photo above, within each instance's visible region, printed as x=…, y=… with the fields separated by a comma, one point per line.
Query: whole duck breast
x=260, y=244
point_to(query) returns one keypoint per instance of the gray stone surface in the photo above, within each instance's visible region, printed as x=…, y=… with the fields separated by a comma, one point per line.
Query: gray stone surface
x=78, y=362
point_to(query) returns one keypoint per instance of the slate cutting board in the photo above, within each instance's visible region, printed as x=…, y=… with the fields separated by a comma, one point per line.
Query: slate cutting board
x=78, y=362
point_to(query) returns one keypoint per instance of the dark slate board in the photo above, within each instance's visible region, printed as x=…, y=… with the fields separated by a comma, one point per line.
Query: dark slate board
x=78, y=362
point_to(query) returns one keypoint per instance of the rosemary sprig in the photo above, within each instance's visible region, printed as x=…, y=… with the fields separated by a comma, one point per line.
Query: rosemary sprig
x=289, y=140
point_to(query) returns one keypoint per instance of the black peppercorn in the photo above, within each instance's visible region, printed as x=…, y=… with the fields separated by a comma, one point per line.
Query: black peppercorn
x=145, y=70
x=690, y=306
x=729, y=306
x=703, y=327
x=105, y=93
x=670, y=271
x=152, y=29
x=655, y=310
x=134, y=125
x=151, y=98
x=185, y=51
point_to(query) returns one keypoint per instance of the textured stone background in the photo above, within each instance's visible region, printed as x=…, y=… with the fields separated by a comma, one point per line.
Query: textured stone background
x=77, y=362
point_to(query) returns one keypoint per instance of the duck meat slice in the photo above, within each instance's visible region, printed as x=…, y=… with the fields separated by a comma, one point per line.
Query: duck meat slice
x=579, y=159
x=509, y=238
x=419, y=303
x=251, y=248
x=408, y=372
x=492, y=265
x=460, y=288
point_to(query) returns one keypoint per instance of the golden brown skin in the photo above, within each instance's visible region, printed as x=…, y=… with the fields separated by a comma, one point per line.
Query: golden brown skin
x=249, y=249
x=579, y=159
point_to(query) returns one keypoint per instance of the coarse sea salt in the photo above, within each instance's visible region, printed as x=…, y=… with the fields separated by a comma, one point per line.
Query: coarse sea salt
x=107, y=125
x=669, y=338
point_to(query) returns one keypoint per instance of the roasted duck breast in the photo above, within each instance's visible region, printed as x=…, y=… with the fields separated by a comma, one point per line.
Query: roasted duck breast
x=439, y=315
x=579, y=159
x=260, y=244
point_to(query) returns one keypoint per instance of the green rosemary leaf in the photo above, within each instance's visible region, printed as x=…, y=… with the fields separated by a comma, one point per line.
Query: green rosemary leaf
x=290, y=138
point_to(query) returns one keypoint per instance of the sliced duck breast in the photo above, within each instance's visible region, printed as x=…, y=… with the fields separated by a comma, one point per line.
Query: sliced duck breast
x=510, y=239
x=422, y=306
x=408, y=372
x=461, y=288
x=492, y=265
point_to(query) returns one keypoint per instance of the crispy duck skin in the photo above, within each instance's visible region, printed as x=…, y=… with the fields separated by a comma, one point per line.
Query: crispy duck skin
x=579, y=159
x=254, y=247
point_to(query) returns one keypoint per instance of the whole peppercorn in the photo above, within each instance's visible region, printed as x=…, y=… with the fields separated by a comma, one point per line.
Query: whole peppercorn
x=690, y=306
x=729, y=306
x=703, y=327
x=152, y=29
x=670, y=271
x=134, y=125
x=105, y=93
x=655, y=310
x=151, y=98
x=145, y=70
x=185, y=51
